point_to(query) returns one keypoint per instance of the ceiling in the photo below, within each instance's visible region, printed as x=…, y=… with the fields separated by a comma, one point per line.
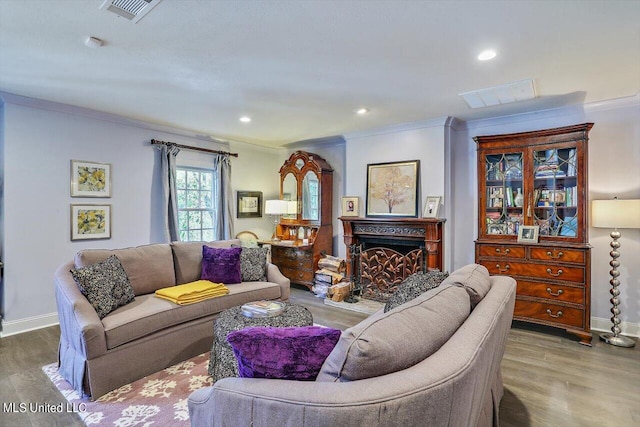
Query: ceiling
x=299, y=69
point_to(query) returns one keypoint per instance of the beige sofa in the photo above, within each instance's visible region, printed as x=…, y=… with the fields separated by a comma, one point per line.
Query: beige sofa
x=381, y=372
x=149, y=334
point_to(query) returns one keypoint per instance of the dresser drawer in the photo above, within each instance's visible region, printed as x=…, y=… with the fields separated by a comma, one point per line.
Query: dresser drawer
x=540, y=271
x=501, y=251
x=552, y=292
x=554, y=254
x=549, y=313
x=291, y=253
x=298, y=275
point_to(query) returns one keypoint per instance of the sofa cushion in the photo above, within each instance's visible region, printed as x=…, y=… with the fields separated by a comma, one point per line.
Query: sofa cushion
x=221, y=265
x=105, y=284
x=392, y=341
x=149, y=314
x=474, y=278
x=253, y=264
x=148, y=267
x=414, y=285
x=292, y=353
x=187, y=258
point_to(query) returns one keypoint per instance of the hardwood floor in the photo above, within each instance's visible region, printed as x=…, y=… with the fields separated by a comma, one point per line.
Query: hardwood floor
x=550, y=379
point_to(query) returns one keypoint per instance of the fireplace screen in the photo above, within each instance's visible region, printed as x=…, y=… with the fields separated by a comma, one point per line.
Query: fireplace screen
x=379, y=271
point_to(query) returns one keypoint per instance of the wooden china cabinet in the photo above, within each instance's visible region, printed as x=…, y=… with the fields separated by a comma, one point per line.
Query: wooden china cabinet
x=538, y=179
x=306, y=235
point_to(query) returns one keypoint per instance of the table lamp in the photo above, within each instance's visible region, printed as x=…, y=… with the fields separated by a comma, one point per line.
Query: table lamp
x=275, y=208
x=615, y=214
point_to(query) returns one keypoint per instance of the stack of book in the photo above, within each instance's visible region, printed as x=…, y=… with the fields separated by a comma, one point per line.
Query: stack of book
x=262, y=308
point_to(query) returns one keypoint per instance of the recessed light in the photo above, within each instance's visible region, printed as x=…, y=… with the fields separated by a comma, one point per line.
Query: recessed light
x=486, y=55
x=362, y=111
x=245, y=119
x=93, y=42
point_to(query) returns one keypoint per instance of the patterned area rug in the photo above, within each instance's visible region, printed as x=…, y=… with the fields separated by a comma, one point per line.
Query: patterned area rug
x=159, y=399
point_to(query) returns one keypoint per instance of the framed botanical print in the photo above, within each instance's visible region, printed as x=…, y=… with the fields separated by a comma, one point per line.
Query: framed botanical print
x=90, y=222
x=249, y=204
x=90, y=179
x=392, y=189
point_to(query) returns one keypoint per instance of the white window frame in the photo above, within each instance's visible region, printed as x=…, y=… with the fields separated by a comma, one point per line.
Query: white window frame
x=203, y=234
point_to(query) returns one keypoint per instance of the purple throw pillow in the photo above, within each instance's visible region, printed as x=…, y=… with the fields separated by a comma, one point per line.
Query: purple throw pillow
x=294, y=353
x=221, y=265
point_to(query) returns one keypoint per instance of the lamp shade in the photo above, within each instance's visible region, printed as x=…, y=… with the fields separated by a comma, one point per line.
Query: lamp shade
x=615, y=213
x=292, y=207
x=275, y=207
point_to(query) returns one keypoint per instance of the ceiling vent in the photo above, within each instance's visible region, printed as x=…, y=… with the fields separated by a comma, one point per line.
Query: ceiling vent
x=133, y=10
x=503, y=94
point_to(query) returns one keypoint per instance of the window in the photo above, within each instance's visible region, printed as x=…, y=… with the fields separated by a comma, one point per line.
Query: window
x=196, y=209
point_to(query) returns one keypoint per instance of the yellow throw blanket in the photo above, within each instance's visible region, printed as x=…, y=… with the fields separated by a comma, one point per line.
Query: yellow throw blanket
x=192, y=292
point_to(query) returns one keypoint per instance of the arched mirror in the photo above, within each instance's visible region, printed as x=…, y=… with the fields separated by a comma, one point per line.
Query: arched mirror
x=290, y=193
x=310, y=197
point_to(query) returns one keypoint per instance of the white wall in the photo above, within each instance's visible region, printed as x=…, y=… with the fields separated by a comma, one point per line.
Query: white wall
x=426, y=141
x=39, y=140
x=614, y=169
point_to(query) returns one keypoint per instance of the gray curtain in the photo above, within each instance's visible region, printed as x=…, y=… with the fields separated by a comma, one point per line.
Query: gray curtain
x=222, y=193
x=168, y=155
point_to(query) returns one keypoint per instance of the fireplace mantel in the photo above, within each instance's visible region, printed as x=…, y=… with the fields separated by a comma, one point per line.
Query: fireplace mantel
x=416, y=232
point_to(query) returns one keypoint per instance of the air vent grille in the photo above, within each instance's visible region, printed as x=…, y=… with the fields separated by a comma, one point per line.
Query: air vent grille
x=132, y=10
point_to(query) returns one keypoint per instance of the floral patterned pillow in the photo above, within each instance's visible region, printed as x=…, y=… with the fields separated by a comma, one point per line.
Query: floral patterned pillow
x=253, y=264
x=105, y=285
x=413, y=286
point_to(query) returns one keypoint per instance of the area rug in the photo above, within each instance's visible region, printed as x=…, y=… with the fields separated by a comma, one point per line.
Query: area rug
x=366, y=306
x=159, y=399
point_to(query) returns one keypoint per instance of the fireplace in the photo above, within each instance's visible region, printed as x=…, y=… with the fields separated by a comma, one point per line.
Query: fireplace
x=382, y=252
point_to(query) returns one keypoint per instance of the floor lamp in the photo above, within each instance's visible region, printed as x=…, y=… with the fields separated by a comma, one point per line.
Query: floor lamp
x=615, y=214
x=275, y=208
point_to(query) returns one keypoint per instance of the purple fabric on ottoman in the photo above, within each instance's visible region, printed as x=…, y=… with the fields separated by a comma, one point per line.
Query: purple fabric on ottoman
x=221, y=265
x=295, y=353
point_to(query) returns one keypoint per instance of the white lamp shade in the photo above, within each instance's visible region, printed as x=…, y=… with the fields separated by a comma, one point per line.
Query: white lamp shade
x=275, y=207
x=292, y=207
x=615, y=213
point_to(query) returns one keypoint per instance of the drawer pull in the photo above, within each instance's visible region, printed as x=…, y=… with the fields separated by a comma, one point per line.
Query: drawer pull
x=506, y=251
x=556, y=294
x=553, y=255
x=502, y=270
x=555, y=274
x=558, y=314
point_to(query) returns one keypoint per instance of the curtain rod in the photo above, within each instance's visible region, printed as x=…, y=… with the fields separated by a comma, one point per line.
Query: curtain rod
x=189, y=147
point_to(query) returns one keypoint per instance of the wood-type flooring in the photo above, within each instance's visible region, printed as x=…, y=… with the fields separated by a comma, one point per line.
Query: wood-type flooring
x=549, y=378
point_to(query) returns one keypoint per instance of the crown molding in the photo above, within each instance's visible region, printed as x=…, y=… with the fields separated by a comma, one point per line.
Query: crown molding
x=401, y=127
x=334, y=140
x=587, y=108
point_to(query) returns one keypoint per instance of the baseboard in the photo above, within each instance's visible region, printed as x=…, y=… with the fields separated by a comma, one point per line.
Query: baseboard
x=28, y=324
x=604, y=325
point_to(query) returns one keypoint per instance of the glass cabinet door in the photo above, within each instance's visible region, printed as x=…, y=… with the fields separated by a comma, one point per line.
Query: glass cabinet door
x=504, y=198
x=555, y=195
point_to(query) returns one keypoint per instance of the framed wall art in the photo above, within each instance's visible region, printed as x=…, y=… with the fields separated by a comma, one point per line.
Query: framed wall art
x=392, y=189
x=350, y=206
x=431, y=207
x=249, y=204
x=90, y=222
x=528, y=233
x=90, y=179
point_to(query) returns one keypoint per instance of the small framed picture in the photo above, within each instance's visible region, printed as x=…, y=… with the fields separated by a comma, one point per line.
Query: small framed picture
x=90, y=179
x=350, y=206
x=90, y=222
x=528, y=233
x=497, y=228
x=249, y=204
x=432, y=206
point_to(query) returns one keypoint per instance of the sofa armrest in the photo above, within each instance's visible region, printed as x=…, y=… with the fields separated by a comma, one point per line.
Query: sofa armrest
x=275, y=276
x=80, y=325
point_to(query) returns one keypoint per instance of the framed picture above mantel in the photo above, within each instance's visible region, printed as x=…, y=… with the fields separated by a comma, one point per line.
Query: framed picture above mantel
x=392, y=189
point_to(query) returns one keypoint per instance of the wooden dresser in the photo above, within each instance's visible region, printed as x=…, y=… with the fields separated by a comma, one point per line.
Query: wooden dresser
x=307, y=234
x=538, y=181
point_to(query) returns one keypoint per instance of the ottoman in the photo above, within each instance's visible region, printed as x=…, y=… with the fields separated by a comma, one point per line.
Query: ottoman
x=223, y=362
